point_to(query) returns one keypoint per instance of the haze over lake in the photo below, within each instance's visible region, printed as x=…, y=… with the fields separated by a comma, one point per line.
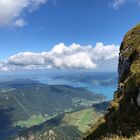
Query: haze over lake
x=104, y=83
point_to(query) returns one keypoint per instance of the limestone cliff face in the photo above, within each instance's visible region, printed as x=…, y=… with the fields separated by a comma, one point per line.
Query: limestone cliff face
x=123, y=116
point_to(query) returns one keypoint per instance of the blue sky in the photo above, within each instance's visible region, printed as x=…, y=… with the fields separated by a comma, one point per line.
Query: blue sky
x=84, y=22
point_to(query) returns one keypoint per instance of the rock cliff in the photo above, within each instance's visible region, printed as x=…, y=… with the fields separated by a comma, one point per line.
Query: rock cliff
x=123, y=116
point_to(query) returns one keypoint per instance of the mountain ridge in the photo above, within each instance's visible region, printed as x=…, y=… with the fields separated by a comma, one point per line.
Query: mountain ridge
x=123, y=116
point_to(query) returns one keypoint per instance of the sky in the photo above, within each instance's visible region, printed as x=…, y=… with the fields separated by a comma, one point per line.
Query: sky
x=77, y=34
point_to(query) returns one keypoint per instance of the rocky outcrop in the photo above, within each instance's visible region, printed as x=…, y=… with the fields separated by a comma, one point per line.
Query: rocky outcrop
x=48, y=135
x=123, y=116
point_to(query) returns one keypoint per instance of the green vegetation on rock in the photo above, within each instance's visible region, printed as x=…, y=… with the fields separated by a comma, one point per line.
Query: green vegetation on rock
x=123, y=117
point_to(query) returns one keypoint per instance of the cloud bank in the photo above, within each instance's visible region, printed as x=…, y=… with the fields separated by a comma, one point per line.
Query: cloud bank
x=61, y=56
x=12, y=11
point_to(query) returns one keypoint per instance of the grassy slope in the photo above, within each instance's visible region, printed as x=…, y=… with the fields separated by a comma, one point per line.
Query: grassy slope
x=81, y=119
x=71, y=126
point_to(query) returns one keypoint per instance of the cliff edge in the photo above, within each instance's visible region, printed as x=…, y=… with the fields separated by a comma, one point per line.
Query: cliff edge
x=123, y=116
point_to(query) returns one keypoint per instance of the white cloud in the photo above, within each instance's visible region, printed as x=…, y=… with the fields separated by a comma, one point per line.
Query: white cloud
x=11, y=11
x=61, y=56
x=20, y=22
x=3, y=66
x=27, y=58
x=118, y=3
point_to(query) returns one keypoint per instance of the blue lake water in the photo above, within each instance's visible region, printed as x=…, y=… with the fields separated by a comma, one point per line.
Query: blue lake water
x=48, y=77
x=107, y=91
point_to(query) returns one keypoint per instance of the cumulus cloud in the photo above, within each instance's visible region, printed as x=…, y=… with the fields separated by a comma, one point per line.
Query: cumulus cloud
x=61, y=56
x=11, y=11
x=27, y=58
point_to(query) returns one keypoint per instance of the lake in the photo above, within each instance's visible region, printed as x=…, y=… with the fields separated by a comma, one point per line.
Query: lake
x=96, y=82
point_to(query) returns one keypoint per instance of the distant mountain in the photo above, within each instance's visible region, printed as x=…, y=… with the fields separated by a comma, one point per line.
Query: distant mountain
x=26, y=103
x=95, y=79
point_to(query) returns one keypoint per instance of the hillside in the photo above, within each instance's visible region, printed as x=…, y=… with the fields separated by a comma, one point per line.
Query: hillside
x=25, y=103
x=122, y=121
x=69, y=126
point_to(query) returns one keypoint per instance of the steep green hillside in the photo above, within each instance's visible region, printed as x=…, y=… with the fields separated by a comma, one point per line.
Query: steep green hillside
x=69, y=126
x=123, y=117
x=27, y=103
